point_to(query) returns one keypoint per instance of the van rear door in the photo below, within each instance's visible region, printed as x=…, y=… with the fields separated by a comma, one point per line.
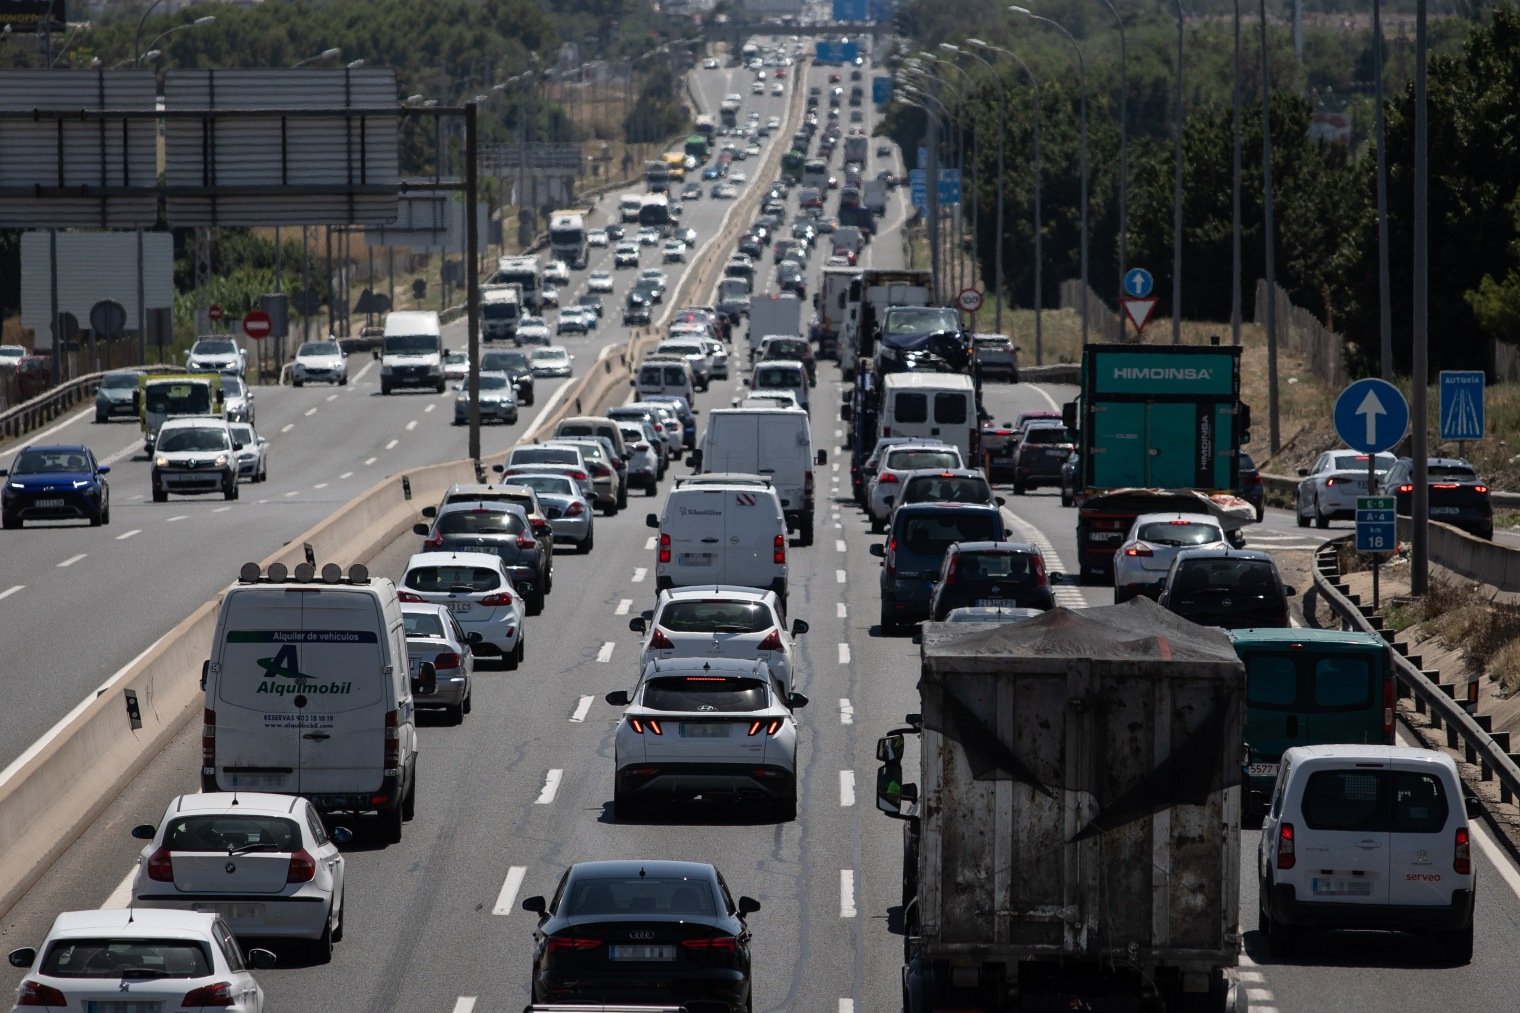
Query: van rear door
x=342, y=738
x=750, y=528
x=732, y=445
x=698, y=544
x=1342, y=847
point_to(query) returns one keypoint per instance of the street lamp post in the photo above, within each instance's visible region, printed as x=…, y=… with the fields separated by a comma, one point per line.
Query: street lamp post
x=326, y=54
x=998, y=279
x=197, y=23
x=931, y=171
x=1235, y=278
x=137, y=46
x=1177, y=197
x=975, y=163
x=1082, y=76
x=931, y=183
x=1123, y=159
x=1385, y=306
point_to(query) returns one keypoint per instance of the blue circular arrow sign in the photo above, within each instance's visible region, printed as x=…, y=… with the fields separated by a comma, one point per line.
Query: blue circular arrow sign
x=1138, y=283
x=1371, y=416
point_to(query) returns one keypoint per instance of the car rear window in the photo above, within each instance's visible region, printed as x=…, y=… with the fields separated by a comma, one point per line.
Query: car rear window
x=954, y=490
x=636, y=895
x=715, y=616
x=1048, y=434
x=550, y=484
x=1222, y=576
x=1180, y=533
x=479, y=522
x=775, y=376
x=1307, y=683
x=226, y=833
x=422, y=624
x=910, y=460
x=1367, y=801
x=932, y=533
x=1014, y=567
x=126, y=958
x=710, y=693
x=544, y=455
x=1451, y=473
x=459, y=579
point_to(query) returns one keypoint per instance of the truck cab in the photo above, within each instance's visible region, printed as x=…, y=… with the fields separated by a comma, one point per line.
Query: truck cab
x=162, y=397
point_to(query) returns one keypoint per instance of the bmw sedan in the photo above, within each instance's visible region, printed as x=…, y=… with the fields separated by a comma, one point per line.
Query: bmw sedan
x=62, y=482
x=649, y=932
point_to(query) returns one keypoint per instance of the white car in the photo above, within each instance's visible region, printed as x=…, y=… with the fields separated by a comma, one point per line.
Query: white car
x=599, y=281
x=551, y=361
x=711, y=63
x=549, y=296
x=719, y=621
x=757, y=87
x=648, y=236
x=597, y=237
x=706, y=727
x=253, y=459
x=262, y=862
x=456, y=365
x=1141, y=562
x=643, y=458
x=896, y=462
x=434, y=635
x=220, y=354
x=626, y=254
x=319, y=362
x=674, y=252
x=737, y=178
x=777, y=88
x=557, y=271
x=120, y=958
x=1330, y=488
x=532, y=331
x=478, y=590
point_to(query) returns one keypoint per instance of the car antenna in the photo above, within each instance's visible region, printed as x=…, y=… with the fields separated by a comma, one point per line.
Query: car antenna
x=641, y=872
x=234, y=798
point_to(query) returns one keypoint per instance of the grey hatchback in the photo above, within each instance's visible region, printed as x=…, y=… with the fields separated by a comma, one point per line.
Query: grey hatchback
x=915, y=549
x=498, y=528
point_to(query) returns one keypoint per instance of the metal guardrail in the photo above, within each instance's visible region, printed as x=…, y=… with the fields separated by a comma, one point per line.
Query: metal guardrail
x=1481, y=746
x=47, y=406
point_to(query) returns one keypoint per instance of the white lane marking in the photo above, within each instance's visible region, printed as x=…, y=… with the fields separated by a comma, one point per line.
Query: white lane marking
x=293, y=492
x=320, y=485
x=360, y=375
x=605, y=654
x=370, y=460
x=429, y=408
x=412, y=424
x=846, y=1006
x=1048, y=399
x=221, y=509
x=11, y=590
x=128, y=534
x=122, y=895
x=639, y=574
x=42, y=437
x=840, y=612
x=835, y=466
x=846, y=788
x=346, y=474
x=1257, y=995
x=847, y=893
x=509, y=889
x=582, y=709
x=846, y=711
x=71, y=561
x=1246, y=974
x=392, y=445
x=623, y=605
x=332, y=397
x=287, y=427
x=840, y=576
x=844, y=654
x=649, y=545
x=1496, y=857
x=1064, y=594
x=310, y=412
x=464, y=1004
x=176, y=517
x=839, y=545
x=551, y=787
x=839, y=434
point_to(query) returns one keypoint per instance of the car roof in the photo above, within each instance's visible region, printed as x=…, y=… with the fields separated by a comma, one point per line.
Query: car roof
x=1368, y=752
x=448, y=557
x=265, y=803
x=423, y=608
x=909, y=476
x=1024, y=548
x=1276, y=636
x=480, y=502
x=1165, y=516
x=703, y=592
x=937, y=506
x=1226, y=553
x=657, y=868
x=192, y=421
x=140, y=921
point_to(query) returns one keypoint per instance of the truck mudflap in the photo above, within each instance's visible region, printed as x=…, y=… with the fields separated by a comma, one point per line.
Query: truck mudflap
x=955, y=986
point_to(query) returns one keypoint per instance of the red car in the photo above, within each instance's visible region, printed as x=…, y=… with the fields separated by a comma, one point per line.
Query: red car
x=846, y=253
x=834, y=77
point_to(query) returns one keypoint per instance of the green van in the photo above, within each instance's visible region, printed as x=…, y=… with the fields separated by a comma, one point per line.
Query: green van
x=1309, y=687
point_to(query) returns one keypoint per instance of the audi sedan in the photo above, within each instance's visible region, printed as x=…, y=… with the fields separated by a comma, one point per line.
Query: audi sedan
x=705, y=728
x=649, y=932
x=719, y=621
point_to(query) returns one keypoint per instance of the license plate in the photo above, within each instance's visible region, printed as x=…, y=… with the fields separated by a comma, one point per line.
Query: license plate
x=1005, y=603
x=691, y=731
x=646, y=953
x=138, y=1006
x=1262, y=770
x=257, y=780
x=56, y=503
x=1434, y=511
x=1105, y=536
x=459, y=607
x=241, y=912
x=1340, y=887
x=696, y=558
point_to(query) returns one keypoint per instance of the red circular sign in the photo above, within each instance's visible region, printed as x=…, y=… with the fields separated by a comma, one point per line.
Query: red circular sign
x=969, y=300
x=256, y=324
x=215, y=313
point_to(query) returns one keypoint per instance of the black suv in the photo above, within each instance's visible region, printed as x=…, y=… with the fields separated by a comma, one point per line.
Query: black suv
x=515, y=364
x=1457, y=496
x=499, y=528
x=1231, y=588
x=1037, y=459
x=920, y=535
x=991, y=574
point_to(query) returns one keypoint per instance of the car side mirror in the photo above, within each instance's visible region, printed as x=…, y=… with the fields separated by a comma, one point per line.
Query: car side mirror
x=652, y=520
x=430, y=511
x=618, y=698
x=822, y=458
x=796, y=700
x=536, y=905
x=1056, y=577
x=341, y=835
x=1289, y=590
x=260, y=959
x=375, y=354
x=637, y=624
x=1473, y=807
x=426, y=682
x=879, y=550
x=748, y=905
x=236, y=445
x=104, y=469
x=1236, y=538
x=420, y=529
x=24, y=957
x=144, y=832
x=799, y=627
x=1303, y=472
x=998, y=500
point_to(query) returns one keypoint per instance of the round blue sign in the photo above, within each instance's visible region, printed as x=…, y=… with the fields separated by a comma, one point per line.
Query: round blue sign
x=1138, y=283
x=1371, y=416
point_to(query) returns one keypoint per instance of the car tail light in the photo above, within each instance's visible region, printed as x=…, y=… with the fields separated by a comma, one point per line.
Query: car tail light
x=601, y=470
x=658, y=641
x=1443, y=485
x=1330, y=481
x=953, y=571
x=778, y=550
x=664, y=548
x=218, y=994
x=1406, y=488
x=1461, y=859
x=717, y=944
x=1388, y=707
x=891, y=557
x=392, y=760
x=771, y=727
x=526, y=541
x=500, y=598
x=408, y=596
x=1040, y=578
x=208, y=741
x=639, y=724
x=886, y=478
x=579, y=476
x=161, y=866
x=1139, y=549
x=448, y=659
x=303, y=868
x=1254, y=480
x=1287, y=856
x=558, y=944
x=433, y=541
x=34, y=993
x=1482, y=489
x=772, y=641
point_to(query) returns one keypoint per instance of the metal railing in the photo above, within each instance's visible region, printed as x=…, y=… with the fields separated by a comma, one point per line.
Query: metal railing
x=47, y=406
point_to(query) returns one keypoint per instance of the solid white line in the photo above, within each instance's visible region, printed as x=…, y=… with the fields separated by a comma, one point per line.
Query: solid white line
x=413, y=424
x=122, y=895
x=839, y=545
x=42, y=437
x=840, y=576
x=287, y=427
x=392, y=445
x=623, y=606
x=844, y=654
x=840, y=612
x=1257, y=995
x=1048, y=399
x=370, y=460
x=582, y=709
x=846, y=711
x=176, y=517
x=551, y=786
x=346, y=474
x=1497, y=858
x=128, y=534
x=310, y=412
x=605, y=654
x=639, y=574
x=847, y=893
x=846, y=788
x=464, y=1004
x=71, y=560
x=509, y=889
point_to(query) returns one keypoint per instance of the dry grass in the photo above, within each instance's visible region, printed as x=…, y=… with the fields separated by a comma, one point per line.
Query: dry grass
x=1461, y=616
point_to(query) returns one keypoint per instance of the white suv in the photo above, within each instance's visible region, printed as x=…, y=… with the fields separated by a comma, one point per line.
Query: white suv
x=1367, y=837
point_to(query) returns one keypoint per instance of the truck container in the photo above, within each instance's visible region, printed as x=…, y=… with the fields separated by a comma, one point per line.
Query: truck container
x=1074, y=839
x=833, y=306
x=774, y=313
x=857, y=146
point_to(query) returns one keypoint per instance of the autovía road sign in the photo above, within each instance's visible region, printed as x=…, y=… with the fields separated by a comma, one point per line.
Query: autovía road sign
x=1462, y=416
x=1371, y=416
x=1376, y=529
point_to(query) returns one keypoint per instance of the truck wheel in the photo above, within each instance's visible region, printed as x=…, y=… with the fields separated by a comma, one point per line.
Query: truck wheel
x=807, y=528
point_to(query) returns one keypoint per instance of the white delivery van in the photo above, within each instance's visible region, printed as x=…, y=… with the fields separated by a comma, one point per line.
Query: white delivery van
x=412, y=351
x=628, y=208
x=774, y=443
x=309, y=692
x=664, y=376
x=721, y=534
x=781, y=374
x=932, y=406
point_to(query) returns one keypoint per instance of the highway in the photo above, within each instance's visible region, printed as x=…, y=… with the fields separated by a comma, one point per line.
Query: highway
x=523, y=787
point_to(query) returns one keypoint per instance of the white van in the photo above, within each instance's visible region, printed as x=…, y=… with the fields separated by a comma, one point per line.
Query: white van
x=308, y=692
x=664, y=376
x=412, y=352
x=931, y=406
x=781, y=374
x=628, y=208
x=721, y=534
x=774, y=443
x=1367, y=837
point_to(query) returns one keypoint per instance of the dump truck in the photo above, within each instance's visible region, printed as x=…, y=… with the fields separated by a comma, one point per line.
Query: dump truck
x=1073, y=839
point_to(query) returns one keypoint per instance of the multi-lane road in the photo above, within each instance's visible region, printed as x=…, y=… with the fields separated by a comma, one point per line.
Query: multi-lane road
x=523, y=787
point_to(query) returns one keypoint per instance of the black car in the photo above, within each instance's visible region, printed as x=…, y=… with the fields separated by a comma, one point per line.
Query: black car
x=997, y=444
x=52, y=483
x=991, y=574
x=499, y=528
x=1457, y=495
x=1039, y=455
x=1251, y=488
x=642, y=932
x=592, y=301
x=1231, y=588
x=636, y=309
x=920, y=535
x=515, y=364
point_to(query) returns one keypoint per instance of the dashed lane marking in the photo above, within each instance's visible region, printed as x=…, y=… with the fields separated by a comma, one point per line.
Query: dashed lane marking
x=623, y=605
x=412, y=424
x=551, y=787
x=840, y=611
x=71, y=561
x=605, y=654
x=370, y=460
x=128, y=534
x=582, y=709
x=429, y=408
x=846, y=788
x=320, y=485
x=639, y=575
x=11, y=590
x=839, y=545
x=841, y=577
x=392, y=445
x=509, y=888
x=846, y=711
x=649, y=544
x=176, y=517
x=847, y=893
x=844, y=654
x=310, y=412
x=287, y=427
x=464, y=1004
x=346, y=474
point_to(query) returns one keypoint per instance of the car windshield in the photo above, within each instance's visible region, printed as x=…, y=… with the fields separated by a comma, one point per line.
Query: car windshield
x=1179, y=533
x=232, y=832
x=1048, y=434
x=494, y=381
x=461, y=579
x=921, y=319
x=716, y=693
x=637, y=895
x=925, y=534
x=715, y=616
x=908, y=460
x=126, y=958
x=955, y=489
x=411, y=344
x=479, y=521
x=232, y=387
x=215, y=348
x=549, y=355
x=242, y=434
x=319, y=348
x=1227, y=576
x=118, y=381
x=550, y=484
x=423, y=624
x=198, y=438
x=771, y=377
x=47, y=462
x=503, y=361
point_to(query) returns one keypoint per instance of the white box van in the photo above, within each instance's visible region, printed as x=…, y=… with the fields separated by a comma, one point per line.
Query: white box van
x=774, y=443
x=937, y=406
x=412, y=352
x=308, y=692
x=1367, y=837
x=721, y=534
x=628, y=208
x=664, y=376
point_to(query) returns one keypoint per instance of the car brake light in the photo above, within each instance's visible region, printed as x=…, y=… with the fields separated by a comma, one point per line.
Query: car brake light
x=526, y=541
x=1039, y=571
x=664, y=548
x=1329, y=482
x=1139, y=549
x=1443, y=485
x=887, y=478
x=433, y=541
x=723, y=944
x=303, y=868
x=500, y=598
x=208, y=741
x=771, y=727
x=1406, y=488
x=778, y=552
x=579, y=476
x=886, y=430
x=34, y=993
x=1388, y=707
x=218, y=994
x=161, y=866
x=650, y=723
x=658, y=641
x=1286, y=855
x=891, y=557
x=575, y=509
x=772, y=641
x=448, y=659
x=1461, y=859
x=408, y=596
x=558, y=943
x=1482, y=489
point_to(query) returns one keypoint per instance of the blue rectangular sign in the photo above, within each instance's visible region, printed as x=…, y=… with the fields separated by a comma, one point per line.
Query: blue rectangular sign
x=1462, y=415
x=849, y=10
x=1372, y=537
x=881, y=89
x=949, y=186
x=918, y=189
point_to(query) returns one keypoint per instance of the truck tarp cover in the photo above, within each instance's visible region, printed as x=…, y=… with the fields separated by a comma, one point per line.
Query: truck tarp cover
x=1097, y=647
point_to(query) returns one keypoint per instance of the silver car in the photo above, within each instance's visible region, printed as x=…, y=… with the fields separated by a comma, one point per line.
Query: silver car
x=433, y=634
x=570, y=513
x=1142, y=561
x=643, y=460
x=253, y=458
x=237, y=400
x=498, y=400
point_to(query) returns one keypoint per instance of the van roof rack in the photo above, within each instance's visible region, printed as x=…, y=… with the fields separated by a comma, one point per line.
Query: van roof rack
x=304, y=573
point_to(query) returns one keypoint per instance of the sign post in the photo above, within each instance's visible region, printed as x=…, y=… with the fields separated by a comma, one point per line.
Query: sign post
x=1136, y=302
x=1371, y=416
